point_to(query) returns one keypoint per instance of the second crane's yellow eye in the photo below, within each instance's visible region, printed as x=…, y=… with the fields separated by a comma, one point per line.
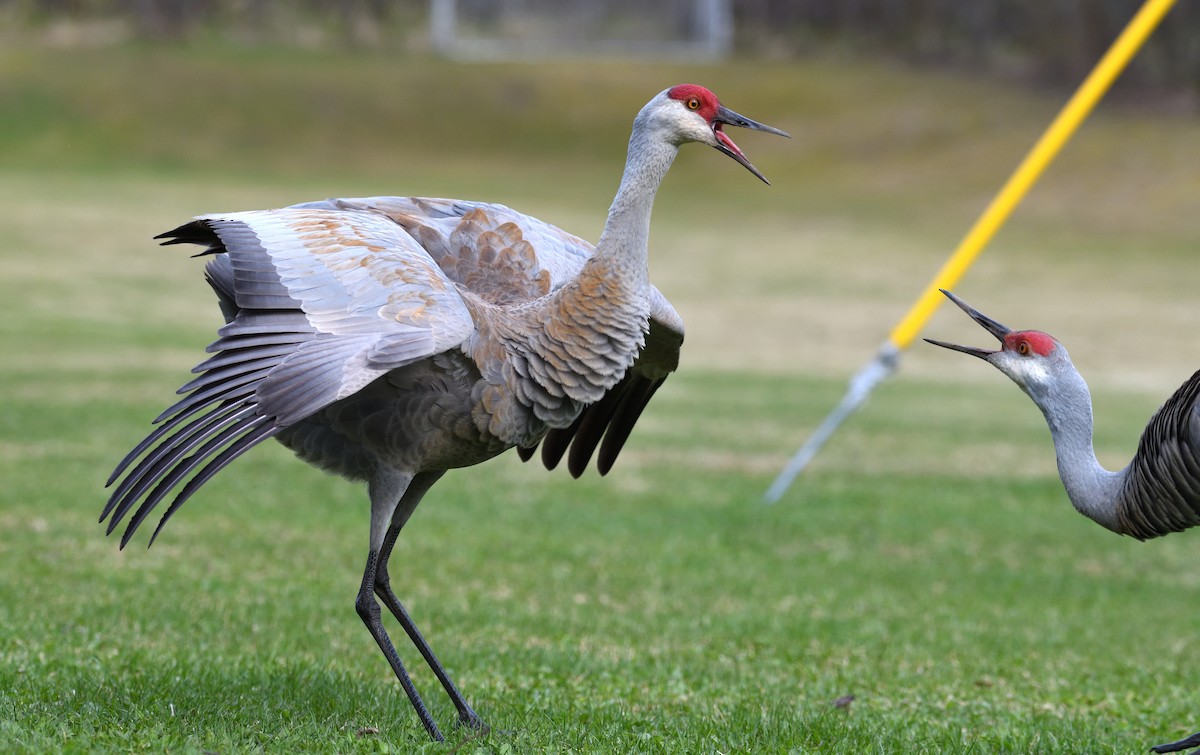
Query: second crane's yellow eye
x=693, y=104
x=1023, y=348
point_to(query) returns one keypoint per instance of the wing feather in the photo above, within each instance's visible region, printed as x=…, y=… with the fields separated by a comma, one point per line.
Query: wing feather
x=1161, y=490
x=505, y=256
x=318, y=303
x=491, y=250
x=608, y=423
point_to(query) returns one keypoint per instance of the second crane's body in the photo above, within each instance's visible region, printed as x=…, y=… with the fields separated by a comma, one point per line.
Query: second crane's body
x=1156, y=494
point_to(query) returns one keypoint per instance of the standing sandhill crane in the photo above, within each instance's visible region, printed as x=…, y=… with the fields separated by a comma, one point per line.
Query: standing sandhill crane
x=1156, y=494
x=390, y=339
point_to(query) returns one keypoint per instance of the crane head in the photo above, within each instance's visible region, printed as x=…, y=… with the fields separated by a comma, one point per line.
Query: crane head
x=703, y=119
x=1024, y=355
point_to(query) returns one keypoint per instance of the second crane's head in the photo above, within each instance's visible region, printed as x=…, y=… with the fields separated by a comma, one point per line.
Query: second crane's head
x=1034, y=360
x=691, y=113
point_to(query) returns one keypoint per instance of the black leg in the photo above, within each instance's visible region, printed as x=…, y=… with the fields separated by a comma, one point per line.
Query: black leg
x=1183, y=744
x=368, y=610
x=383, y=588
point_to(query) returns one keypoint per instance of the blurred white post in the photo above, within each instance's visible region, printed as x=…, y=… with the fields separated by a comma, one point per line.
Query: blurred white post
x=715, y=21
x=886, y=360
x=441, y=24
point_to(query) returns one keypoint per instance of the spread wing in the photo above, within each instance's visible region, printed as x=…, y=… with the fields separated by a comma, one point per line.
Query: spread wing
x=318, y=304
x=1161, y=491
x=507, y=257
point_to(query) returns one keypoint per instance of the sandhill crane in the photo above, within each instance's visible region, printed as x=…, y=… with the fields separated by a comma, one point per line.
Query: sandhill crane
x=1156, y=494
x=390, y=339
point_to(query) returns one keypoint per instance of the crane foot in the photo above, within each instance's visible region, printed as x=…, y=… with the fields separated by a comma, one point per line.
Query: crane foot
x=473, y=722
x=1183, y=744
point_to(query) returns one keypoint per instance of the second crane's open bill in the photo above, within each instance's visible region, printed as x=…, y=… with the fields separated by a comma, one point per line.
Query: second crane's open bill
x=887, y=356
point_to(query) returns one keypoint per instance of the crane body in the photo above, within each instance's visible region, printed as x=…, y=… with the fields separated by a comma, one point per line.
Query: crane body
x=1156, y=494
x=390, y=339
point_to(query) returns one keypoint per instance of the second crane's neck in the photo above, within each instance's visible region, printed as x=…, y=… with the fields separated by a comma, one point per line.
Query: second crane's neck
x=1093, y=490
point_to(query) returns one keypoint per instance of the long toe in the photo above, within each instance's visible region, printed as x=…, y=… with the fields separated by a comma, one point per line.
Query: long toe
x=1183, y=744
x=471, y=720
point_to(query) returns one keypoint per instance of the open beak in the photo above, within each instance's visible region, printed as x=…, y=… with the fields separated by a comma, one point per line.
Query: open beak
x=993, y=327
x=725, y=116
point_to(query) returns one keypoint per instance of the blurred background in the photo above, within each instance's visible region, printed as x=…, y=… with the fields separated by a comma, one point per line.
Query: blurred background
x=120, y=119
x=1051, y=42
x=907, y=116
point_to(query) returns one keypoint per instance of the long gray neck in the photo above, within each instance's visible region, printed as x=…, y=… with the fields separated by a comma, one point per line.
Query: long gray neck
x=580, y=340
x=623, y=245
x=1092, y=489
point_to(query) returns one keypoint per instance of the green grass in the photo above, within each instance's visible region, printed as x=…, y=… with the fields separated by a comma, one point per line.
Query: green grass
x=661, y=610
x=929, y=564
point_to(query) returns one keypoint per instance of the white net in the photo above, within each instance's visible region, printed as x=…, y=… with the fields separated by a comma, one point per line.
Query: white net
x=524, y=29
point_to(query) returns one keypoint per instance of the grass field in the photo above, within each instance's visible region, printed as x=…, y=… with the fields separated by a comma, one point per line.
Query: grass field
x=928, y=564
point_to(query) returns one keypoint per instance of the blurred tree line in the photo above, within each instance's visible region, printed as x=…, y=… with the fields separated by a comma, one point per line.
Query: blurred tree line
x=1049, y=41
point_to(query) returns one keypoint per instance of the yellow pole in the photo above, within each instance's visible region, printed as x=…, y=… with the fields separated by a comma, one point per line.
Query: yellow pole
x=1014, y=190
x=1031, y=168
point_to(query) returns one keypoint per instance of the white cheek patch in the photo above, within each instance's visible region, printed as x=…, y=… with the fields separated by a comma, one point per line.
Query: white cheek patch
x=1033, y=371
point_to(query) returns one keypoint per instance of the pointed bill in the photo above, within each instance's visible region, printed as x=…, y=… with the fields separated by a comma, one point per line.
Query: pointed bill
x=993, y=327
x=725, y=116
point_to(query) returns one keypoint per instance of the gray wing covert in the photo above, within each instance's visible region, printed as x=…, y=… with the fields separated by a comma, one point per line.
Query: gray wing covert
x=318, y=304
x=497, y=253
x=1161, y=493
x=506, y=257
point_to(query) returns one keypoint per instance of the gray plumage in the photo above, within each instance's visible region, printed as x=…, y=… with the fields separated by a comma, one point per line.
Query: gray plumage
x=1157, y=493
x=389, y=339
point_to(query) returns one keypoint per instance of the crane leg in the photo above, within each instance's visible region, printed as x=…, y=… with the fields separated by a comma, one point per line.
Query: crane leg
x=369, y=611
x=383, y=588
x=466, y=715
x=1183, y=744
x=390, y=490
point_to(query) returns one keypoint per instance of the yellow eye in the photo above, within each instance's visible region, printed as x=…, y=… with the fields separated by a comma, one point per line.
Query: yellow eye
x=693, y=104
x=1023, y=348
